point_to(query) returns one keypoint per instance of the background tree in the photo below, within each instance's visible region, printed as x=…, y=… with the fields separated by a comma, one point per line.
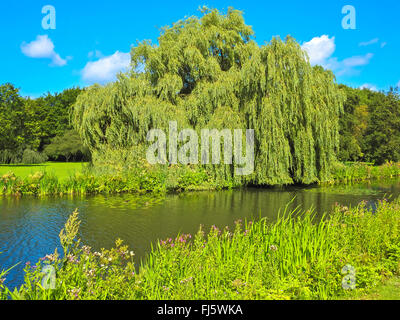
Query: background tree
x=49, y=116
x=28, y=125
x=67, y=147
x=382, y=138
x=12, y=119
x=369, y=126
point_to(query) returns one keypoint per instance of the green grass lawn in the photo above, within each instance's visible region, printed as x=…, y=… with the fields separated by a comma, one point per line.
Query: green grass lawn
x=390, y=290
x=61, y=169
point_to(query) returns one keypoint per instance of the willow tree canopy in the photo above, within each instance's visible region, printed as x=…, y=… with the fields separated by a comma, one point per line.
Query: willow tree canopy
x=208, y=72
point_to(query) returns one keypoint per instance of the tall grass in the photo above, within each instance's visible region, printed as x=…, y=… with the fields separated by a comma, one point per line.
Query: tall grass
x=136, y=180
x=353, y=172
x=298, y=257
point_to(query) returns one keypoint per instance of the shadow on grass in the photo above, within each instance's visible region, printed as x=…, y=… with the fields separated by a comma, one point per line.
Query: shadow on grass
x=23, y=165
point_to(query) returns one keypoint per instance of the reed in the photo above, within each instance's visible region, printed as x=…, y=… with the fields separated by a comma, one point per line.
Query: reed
x=354, y=172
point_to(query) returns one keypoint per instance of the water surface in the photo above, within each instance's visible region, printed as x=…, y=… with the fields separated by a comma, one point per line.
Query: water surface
x=29, y=226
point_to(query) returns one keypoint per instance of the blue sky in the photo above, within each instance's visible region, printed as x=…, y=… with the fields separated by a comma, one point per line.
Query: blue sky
x=92, y=39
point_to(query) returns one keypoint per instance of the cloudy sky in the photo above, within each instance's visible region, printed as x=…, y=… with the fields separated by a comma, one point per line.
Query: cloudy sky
x=92, y=39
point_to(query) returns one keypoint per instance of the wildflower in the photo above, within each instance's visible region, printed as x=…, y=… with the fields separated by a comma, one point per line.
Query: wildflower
x=75, y=292
x=72, y=259
x=86, y=249
x=237, y=283
x=273, y=247
x=49, y=257
x=91, y=272
x=186, y=280
x=2, y=281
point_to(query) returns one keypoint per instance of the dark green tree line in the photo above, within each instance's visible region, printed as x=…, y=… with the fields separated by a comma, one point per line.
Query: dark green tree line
x=28, y=127
x=370, y=126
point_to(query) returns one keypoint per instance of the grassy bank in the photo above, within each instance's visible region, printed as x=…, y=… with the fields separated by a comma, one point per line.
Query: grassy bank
x=357, y=171
x=62, y=170
x=65, y=179
x=389, y=290
x=295, y=258
x=79, y=178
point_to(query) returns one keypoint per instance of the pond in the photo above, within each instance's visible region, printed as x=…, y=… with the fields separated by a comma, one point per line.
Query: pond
x=29, y=226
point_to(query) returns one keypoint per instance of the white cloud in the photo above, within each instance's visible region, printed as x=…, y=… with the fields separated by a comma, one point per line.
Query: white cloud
x=383, y=44
x=398, y=84
x=43, y=47
x=369, y=86
x=357, y=60
x=321, y=49
x=368, y=43
x=96, y=54
x=105, y=69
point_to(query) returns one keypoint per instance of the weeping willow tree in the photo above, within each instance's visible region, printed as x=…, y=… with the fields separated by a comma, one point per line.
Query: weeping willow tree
x=208, y=72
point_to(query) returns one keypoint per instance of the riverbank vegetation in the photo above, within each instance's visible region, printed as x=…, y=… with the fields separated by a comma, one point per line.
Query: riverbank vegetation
x=356, y=172
x=88, y=181
x=78, y=179
x=343, y=255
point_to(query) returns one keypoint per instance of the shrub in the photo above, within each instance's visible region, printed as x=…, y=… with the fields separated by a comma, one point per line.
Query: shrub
x=33, y=157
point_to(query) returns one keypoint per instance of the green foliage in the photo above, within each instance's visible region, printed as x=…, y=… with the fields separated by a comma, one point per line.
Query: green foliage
x=11, y=121
x=369, y=126
x=382, y=139
x=156, y=179
x=67, y=147
x=297, y=257
x=48, y=117
x=28, y=125
x=353, y=172
x=137, y=180
x=208, y=73
x=31, y=157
